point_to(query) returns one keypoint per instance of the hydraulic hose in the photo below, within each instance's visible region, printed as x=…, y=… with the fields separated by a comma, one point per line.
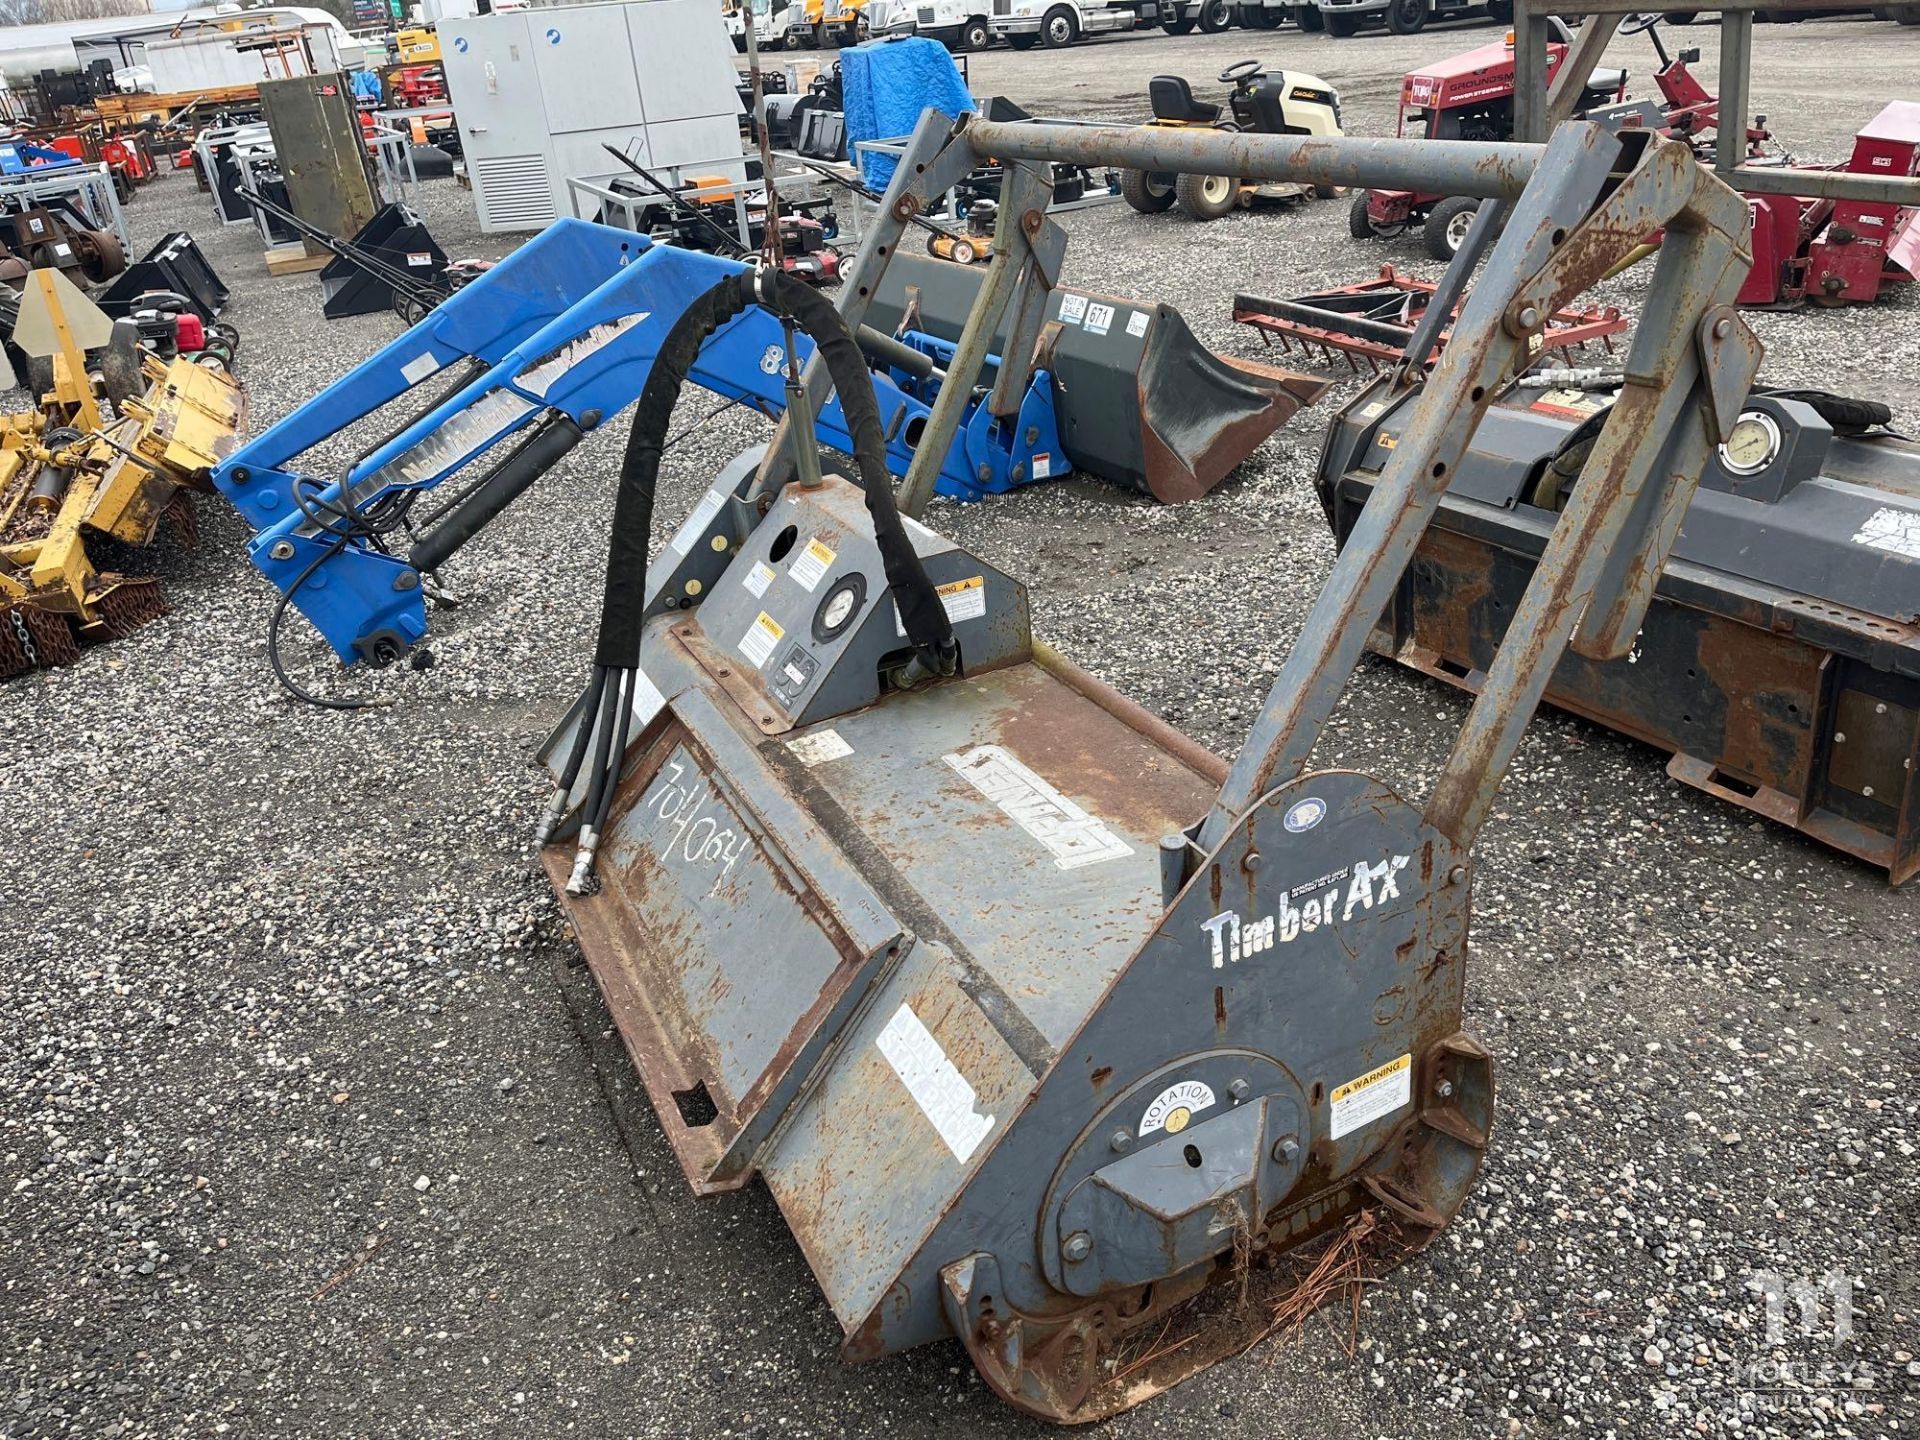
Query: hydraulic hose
x=607, y=706
x=624, y=607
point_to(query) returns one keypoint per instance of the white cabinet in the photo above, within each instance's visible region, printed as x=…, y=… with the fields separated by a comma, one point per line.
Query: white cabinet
x=537, y=93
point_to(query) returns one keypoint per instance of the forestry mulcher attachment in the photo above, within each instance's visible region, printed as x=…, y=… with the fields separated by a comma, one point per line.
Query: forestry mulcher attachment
x=1779, y=663
x=1047, y=1030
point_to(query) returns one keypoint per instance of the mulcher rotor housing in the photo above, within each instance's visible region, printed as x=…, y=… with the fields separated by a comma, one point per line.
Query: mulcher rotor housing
x=1046, y=1029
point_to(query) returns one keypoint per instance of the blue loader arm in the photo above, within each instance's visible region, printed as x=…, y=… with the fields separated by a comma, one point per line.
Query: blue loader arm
x=543, y=348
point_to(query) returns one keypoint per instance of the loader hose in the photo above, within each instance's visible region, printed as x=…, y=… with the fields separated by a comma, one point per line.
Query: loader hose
x=605, y=710
x=1847, y=415
x=624, y=607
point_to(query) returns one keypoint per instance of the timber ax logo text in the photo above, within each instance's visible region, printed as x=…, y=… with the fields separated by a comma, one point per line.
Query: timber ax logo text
x=1368, y=885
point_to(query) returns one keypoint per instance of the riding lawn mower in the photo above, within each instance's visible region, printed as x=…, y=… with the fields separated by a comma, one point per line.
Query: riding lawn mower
x=1261, y=103
x=1464, y=97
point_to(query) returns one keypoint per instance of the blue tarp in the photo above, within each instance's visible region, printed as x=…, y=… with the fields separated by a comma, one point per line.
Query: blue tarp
x=885, y=84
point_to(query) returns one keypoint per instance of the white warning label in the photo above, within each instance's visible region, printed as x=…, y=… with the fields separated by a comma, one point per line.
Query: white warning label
x=943, y=1094
x=961, y=599
x=820, y=747
x=421, y=366
x=647, y=699
x=757, y=644
x=758, y=579
x=695, y=525
x=1896, y=531
x=1378, y=1092
x=1074, y=836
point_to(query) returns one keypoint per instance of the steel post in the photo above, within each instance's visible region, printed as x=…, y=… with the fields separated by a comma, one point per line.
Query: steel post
x=1558, y=244
x=1465, y=379
x=1736, y=69
x=1025, y=189
x=1660, y=418
x=1530, y=37
x=1006, y=273
x=1439, y=313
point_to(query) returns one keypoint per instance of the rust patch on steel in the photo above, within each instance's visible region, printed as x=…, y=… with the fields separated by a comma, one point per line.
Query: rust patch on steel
x=1738, y=700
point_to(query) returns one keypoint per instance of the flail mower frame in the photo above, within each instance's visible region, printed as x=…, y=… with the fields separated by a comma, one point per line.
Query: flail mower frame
x=1046, y=1029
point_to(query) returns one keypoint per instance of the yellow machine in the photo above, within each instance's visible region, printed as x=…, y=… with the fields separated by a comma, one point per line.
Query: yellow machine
x=845, y=22
x=109, y=452
x=417, y=46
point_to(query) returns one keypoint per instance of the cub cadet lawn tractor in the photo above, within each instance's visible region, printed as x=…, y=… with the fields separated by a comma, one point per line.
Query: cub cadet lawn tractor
x=1047, y=1030
x=1280, y=103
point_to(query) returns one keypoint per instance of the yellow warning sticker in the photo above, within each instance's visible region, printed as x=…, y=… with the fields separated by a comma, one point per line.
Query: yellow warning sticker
x=810, y=566
x=961, y=599
x=1373, y=1095
x=757, y=644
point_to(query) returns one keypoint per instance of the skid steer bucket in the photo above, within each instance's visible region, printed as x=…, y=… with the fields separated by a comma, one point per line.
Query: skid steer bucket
x=1139, y=400
x=174, y=266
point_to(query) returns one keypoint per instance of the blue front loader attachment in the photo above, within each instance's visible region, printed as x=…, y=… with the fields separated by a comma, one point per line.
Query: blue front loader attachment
x=543, y=348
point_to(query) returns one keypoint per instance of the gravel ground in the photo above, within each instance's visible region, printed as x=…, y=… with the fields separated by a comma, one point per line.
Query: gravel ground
x=298, y=1138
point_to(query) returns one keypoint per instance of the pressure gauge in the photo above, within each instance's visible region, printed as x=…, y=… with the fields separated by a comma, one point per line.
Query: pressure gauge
x=1752, y=445
x=839, y=607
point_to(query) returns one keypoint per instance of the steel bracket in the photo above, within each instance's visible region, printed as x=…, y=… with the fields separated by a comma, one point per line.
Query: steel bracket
x=1729, y=360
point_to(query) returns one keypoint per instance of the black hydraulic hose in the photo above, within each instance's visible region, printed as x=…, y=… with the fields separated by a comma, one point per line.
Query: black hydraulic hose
x=528, y=461
x=623, y=609
x=582, y=717
x=1844, y=413
x=599, y=812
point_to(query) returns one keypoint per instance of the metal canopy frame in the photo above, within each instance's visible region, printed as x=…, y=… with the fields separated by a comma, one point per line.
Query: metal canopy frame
x=1536, y=109
x=1556, y=219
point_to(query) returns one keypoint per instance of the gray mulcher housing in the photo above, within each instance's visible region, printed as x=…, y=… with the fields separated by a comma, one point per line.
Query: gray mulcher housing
x=926, y=943
x=1047, y=1030
x=1780, y=659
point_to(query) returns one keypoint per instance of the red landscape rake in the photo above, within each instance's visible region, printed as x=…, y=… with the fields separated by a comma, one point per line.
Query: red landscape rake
x=1375, y=320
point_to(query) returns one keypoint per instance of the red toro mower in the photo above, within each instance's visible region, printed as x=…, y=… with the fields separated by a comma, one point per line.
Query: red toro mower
x=1465, y=97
